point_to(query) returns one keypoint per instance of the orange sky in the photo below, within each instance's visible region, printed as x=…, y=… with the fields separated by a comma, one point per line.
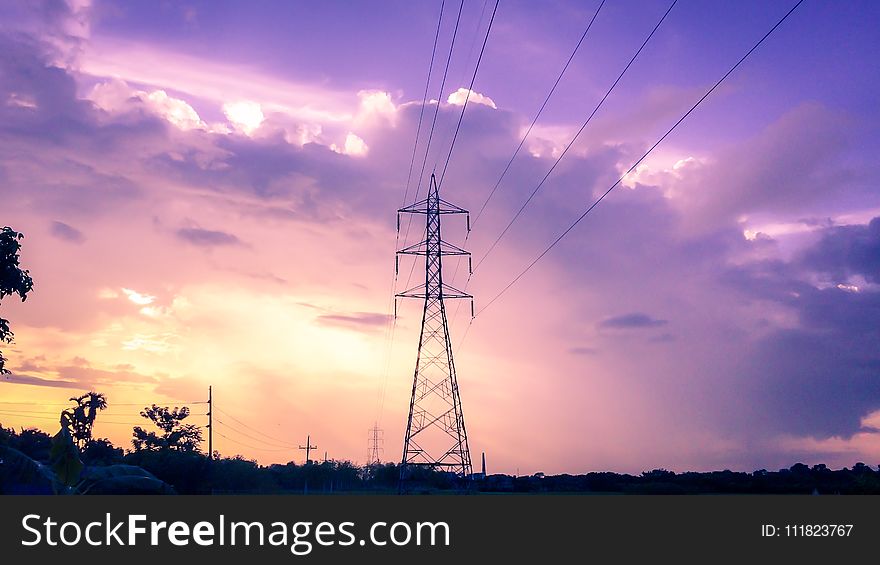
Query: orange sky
x=201, y=211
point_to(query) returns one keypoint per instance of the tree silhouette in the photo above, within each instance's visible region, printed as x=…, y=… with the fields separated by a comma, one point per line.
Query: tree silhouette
x=176, y=435
x=13, y=280
x=81, y=418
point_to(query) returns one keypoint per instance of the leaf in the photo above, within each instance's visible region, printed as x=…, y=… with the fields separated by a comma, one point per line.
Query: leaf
x=64, y=458
x=19, y=474
x=121, y=479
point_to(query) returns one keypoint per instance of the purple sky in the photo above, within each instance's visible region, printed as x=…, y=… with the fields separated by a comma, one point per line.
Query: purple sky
x=208, y=192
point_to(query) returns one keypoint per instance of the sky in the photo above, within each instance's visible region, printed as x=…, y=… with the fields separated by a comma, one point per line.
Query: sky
x=208, y=193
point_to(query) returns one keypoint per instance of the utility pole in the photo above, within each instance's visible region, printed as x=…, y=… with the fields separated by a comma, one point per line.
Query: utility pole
x=374, y=443
x=435, y=431
x=308, y=447
x=210, y=426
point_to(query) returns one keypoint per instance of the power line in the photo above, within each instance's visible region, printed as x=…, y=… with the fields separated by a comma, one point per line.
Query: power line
x=468, y=95
x=642, y=158
x=391, y=323
x=464, y=68
x=473, y=42
x=458, y=125
x=433, y=123
x=58, y=418
x=102, y=413
x=538, y=115
x=281, y=441
x=439, y=100
x=424, y=101
x=576, y=135
x=521, y=143
x=43, y=412
x=436, y=109
x=224, y=424
x=109, y=405
x=247, y=445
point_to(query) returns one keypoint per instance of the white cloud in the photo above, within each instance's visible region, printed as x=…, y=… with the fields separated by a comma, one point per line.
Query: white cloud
x=151, y=343
x=354, y=146
x=175, y=110
x=210, y=81
x=107, y=294
x=659, y=168
x=376, y=103
x=458, y=97
x=138, y=298
x=115, y=96
x=21, y=101
x=245, y=116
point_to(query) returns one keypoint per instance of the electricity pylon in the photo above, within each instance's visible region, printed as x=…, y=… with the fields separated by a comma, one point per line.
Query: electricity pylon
x=435, y=432
x=375, y=441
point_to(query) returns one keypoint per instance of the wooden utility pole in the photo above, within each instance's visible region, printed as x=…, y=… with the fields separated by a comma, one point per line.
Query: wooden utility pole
x=210, y=427
x=308, y=447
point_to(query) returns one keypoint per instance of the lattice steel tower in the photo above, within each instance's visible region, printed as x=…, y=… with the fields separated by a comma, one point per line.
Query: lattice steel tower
x=435, y=432
x=375, y=440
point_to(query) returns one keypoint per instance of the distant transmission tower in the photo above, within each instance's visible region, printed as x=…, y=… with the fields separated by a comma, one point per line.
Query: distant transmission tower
x=375, y=441
x=435, y=432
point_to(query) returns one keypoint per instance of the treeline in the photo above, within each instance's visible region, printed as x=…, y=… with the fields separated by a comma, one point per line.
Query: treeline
x=798, y=479
x=188, y=471
x=180, y=466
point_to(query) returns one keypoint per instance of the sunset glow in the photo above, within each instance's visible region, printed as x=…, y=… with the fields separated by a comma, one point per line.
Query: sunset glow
x=208, y=195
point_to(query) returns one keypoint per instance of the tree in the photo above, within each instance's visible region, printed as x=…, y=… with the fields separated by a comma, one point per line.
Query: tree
x=13, y=280
x=81, y=418
x=101, y=452
x=175, y=436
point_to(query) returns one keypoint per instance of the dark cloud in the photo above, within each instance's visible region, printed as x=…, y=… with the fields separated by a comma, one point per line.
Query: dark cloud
x=79, y=373
x=804, y=382
x=358, y=321
x=845, y=251
x=636, y=320
x=822, y=376
x=51, y=141
x=207, y=238
x=794, y=164
x=66, y=232
x=663, y=338
x=25, y=379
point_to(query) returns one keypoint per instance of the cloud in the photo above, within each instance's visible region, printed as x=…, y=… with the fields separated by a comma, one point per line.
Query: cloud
x=794, y=163
x=375, y=104
x=846, y=251
x=354, y=145
x=25, y=379
x=67, y=233
x=816, y=374
x=135, y=296
x=636, y=320
x=662, y=338
x=218, y=82
x=458, y=98
x=245, y=116
x=175, y=110
x=207, y=238
x=117, y=97
x=761, y=348
x=63, y=27
x=357, y=321
x=79, y=373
